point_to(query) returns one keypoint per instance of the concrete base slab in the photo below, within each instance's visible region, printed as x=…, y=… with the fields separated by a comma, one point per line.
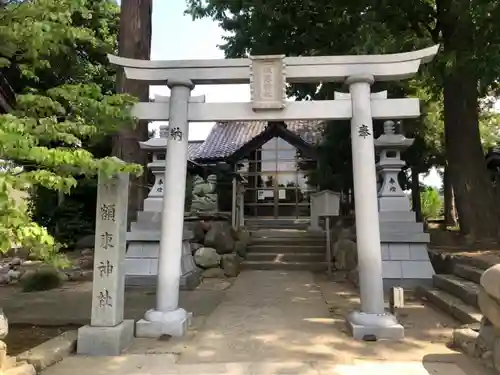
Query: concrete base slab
x=105, y=341
x=409, y=284
x=188, y=281
x=162, y=365
x=158, y=323
x=368, y=327
x=51, y=351
x=315, y=229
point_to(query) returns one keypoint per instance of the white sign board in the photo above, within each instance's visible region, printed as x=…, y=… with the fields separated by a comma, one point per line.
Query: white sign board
x=268, y=82
x=326, y=203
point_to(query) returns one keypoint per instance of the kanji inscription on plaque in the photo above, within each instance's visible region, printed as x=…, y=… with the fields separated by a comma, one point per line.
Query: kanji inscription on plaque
x=268, y=82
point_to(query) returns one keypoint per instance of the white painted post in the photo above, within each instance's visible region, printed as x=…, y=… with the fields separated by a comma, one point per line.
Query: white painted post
x=314, y=217
x=242, y=205
x=168, y=318
x=234, y=204
x=328, y=245
x=372, y=320
x=108, y=333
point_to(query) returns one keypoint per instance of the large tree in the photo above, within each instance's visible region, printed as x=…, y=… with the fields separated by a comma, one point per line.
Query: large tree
x=53, y=52
x=135, y=43
x=466, y=68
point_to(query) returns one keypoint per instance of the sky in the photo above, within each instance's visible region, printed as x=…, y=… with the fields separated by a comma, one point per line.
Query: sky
x=177, y=37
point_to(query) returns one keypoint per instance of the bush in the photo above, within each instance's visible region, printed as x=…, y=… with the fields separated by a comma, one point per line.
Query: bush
x=43, y=279
x=432, y=204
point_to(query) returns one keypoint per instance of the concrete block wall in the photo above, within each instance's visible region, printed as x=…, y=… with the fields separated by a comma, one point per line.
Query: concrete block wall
x=142, y=259
x=406, y=265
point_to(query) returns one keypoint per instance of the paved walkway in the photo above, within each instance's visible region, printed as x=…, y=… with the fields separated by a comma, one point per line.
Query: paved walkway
x=286, y=323
x=267, y=315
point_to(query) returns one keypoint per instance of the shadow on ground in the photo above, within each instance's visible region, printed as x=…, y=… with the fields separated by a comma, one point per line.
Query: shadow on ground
x=293, y=321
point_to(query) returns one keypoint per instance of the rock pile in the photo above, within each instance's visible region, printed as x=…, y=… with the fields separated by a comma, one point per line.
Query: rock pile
x=217, y=249
x=16, y=269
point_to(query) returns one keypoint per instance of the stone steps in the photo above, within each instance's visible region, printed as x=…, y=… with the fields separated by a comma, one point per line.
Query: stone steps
x=450, y=304
x=285, y=266
x=468, y=272
x=286, y=257
x=276, y=224
x=287, y=241
x=287, y=248
x=466, y=290
x=285, y=233
x=457, y=293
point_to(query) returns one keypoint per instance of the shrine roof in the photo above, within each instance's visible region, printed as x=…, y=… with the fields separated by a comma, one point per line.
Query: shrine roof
x=159, y=144
x=227, y=137
x=193, y=147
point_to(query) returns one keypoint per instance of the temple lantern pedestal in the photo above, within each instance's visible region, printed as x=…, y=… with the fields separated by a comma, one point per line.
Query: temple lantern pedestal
x=143, y=239
x=405, y=260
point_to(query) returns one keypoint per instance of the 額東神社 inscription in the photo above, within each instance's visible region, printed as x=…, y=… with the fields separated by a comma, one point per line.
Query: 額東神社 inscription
x=109, y=257
x=106, y=240
x=105, y=268
x=108, y=212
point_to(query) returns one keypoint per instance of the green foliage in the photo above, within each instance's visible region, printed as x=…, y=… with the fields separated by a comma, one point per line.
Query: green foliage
x=43, y=279
x=54, y=55
x=42, y=143
x=432, y=204
x=70, y=219
x=335, y=163
x=47, y=43
x=466, y=65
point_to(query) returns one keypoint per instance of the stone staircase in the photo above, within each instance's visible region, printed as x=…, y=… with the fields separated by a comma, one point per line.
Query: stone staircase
x=261, y=223
x=286, y=249
x=456, y=292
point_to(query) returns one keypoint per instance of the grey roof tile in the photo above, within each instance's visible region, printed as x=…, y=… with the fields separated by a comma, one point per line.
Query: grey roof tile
x=227, y=137
x=193, y=147
x=161, y=144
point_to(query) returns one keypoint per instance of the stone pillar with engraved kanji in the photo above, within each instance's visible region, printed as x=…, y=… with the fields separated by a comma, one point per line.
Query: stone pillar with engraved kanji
x=372, y=320
x=108, y=333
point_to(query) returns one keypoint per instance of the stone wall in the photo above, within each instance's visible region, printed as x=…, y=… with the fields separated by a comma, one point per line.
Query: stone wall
x=484, y=344
x=222, y=248
x=218, y=249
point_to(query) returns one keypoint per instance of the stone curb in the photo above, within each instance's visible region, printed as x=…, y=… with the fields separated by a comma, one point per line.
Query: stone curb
x=51, y=351
x=21, y=369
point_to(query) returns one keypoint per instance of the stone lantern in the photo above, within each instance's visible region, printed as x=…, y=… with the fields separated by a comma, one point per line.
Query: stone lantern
x=143, y=239
x=391, y=196
x=157, y=147
x=405, y=261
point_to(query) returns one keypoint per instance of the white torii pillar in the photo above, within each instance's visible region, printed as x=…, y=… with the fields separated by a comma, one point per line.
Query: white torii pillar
x=168, y=318
x=372, y=322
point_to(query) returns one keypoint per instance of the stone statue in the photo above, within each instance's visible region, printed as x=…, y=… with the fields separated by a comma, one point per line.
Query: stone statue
x=204, y=195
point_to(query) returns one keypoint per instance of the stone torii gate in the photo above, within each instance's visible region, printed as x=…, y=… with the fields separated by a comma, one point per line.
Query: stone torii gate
x=268, y=76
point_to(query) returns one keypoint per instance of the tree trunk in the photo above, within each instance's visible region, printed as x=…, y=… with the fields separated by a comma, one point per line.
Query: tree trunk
x=415, y=194
x=475, y=199
x=134, y=42
x=450, y=215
